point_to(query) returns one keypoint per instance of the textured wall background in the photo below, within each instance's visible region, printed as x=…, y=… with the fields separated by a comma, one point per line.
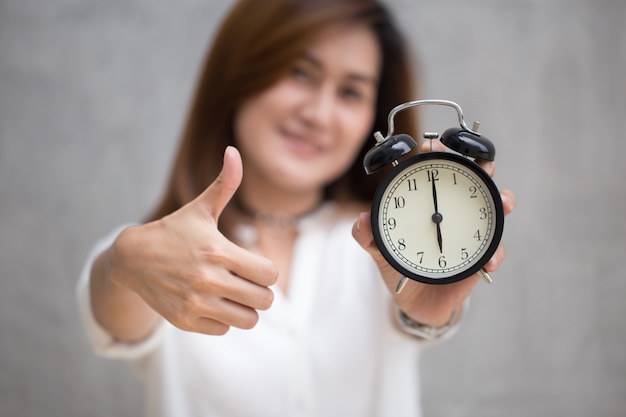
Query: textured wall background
x=92, y=98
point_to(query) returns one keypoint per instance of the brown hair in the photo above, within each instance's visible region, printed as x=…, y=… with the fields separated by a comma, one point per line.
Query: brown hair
x=256, y=45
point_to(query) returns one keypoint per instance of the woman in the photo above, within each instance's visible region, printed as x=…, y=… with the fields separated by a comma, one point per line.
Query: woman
x=248, y=291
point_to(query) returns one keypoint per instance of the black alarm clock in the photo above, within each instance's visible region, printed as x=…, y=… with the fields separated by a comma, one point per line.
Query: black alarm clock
x=437, y=217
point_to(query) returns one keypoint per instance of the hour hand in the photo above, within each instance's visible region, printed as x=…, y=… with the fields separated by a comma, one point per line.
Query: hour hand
x=437, y=218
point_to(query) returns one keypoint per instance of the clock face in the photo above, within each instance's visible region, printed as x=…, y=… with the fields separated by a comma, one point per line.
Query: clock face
x=437, y=217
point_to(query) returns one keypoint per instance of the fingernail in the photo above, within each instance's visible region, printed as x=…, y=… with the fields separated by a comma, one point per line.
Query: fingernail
x=362, y=218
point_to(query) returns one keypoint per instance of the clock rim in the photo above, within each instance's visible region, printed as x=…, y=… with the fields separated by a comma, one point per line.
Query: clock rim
x=498, y=218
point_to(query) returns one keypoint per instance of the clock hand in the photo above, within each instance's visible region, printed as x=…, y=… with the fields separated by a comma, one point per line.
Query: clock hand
x=437, y=217
x=432, y=180
x=439, y=239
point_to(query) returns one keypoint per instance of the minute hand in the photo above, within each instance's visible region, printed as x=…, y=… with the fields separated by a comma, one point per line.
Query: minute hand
x=437, y=217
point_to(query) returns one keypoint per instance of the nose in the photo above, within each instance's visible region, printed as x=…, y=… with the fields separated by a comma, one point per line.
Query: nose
x=319, y=106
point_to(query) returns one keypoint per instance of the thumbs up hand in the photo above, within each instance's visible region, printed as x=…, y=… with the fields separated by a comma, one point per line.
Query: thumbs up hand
x=186, y=270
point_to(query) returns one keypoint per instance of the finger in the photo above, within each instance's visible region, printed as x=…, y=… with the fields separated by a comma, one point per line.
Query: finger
x=432, y=145
x=218, y=194
x=232, y=314
x=488, y=166
x=236, y=316
x=207, y=304
x=496, y=260
x=509, y=201
x=257, y=298
x=436, y=145
x=208, y=326
x=246, y=293
x=243, y=263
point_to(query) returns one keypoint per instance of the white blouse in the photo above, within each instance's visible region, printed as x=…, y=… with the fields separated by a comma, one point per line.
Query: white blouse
x=328, y=349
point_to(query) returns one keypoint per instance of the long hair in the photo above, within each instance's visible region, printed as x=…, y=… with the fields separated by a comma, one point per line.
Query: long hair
x=256, y=45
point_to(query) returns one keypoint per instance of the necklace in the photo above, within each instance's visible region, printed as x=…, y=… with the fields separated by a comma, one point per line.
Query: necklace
x=276, y=220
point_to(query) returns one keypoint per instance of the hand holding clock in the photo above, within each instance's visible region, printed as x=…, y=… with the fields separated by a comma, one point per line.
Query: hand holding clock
x=425, y=303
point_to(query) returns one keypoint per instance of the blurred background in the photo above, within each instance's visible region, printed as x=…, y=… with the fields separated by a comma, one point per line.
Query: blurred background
x=92, y=100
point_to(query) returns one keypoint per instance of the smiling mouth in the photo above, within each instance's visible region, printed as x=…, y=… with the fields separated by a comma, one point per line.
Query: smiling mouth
x=300, y=145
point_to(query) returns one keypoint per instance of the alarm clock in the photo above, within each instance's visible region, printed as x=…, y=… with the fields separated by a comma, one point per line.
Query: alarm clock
x=437, y=217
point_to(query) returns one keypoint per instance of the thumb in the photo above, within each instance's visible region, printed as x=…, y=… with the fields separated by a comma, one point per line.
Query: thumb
x=362, y=233
x=218, y=194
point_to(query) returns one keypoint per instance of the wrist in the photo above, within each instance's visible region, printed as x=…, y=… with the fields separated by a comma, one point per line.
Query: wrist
x=116, y=257
x=426, y=331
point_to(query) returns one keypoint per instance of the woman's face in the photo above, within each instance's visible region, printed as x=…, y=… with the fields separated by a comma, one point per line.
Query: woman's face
x=305, y=130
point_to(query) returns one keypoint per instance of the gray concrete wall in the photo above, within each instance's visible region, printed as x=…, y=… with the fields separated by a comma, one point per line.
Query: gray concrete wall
x=92, y=98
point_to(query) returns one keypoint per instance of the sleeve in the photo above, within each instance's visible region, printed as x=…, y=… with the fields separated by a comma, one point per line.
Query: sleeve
x=102, y=343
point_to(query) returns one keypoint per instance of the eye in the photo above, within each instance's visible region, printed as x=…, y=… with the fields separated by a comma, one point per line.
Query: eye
x=302, y=73
x=351, y=93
